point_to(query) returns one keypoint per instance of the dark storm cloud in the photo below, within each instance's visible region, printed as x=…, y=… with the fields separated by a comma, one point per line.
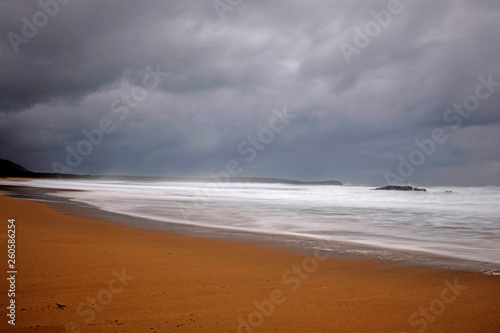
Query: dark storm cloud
x=352, y=119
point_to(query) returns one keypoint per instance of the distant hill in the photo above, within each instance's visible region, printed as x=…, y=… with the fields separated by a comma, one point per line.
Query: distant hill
x=11, y=169
x=282, y=181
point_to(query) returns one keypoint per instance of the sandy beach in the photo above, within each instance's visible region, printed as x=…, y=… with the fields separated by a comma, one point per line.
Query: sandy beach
x=83, y=275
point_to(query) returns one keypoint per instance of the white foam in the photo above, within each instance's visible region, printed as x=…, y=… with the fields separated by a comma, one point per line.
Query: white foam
x=464, y=224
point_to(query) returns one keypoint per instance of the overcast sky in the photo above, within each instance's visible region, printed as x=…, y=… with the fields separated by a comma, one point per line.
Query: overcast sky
x=354, y=83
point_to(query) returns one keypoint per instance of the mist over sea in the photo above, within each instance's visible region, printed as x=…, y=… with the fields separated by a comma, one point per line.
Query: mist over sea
x=464, y=224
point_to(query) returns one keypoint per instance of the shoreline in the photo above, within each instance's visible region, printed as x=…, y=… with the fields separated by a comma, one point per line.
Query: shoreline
x=112, y=277
x=300, y=244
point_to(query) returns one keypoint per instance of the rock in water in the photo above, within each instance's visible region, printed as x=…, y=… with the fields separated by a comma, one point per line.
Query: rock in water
x=401, y=188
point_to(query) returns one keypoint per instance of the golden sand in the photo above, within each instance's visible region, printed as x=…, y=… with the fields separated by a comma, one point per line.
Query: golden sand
x=110, y=278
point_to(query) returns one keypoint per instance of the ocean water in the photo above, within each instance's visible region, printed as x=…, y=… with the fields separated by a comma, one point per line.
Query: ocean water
x=464, y=224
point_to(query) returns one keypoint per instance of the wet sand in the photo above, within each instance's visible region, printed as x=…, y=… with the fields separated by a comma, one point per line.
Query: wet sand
x=107, y=277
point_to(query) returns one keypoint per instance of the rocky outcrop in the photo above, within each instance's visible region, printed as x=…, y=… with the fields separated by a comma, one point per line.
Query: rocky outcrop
x=401, y=188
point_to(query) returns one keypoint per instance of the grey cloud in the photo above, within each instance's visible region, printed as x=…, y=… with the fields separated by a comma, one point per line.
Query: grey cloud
x=352, y=121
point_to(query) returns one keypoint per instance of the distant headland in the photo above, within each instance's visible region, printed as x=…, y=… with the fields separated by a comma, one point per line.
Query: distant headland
x=11, y=169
